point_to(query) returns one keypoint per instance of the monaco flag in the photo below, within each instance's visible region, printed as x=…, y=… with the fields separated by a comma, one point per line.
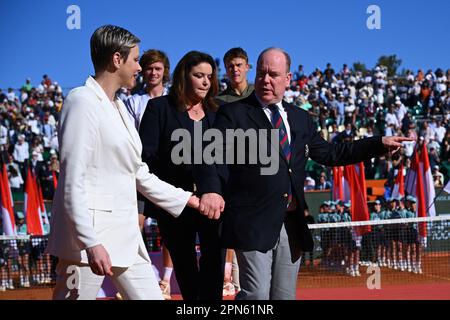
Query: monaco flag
x=32, y=207
x=55, y=179
x=355, y=176
x=42, y=210
x=428, y=185
x=421, y=200
x=338, y=183
x=9, y=223
x=399, y=189
x=419, y=182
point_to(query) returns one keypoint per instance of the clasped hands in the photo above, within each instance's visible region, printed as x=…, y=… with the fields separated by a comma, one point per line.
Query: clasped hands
x=210, y=204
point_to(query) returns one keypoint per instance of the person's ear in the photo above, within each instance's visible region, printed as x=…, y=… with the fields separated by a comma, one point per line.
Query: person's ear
x=288, y=79
x=117, y=60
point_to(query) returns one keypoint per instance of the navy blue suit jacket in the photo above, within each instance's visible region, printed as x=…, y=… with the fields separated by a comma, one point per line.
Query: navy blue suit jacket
x=255, y=204
x=159, y=121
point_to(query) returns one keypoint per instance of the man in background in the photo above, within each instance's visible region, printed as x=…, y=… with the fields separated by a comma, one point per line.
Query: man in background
x=236, y=64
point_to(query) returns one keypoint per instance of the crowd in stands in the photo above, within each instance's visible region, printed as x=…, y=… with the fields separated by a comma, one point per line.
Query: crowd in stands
x=349, y=105
x=345, y=105
x=28, y=135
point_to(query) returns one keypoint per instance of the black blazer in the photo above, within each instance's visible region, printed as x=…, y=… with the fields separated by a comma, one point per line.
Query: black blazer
x=160, y=119
x=255, y=204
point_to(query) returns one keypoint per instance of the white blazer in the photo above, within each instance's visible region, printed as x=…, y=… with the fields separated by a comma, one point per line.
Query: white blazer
x=101, y=168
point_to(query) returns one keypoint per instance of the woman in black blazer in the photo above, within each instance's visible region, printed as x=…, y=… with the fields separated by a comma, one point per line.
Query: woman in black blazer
x=190, y=103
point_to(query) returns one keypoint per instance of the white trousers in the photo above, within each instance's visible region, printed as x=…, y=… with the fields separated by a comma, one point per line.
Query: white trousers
x=76, y=281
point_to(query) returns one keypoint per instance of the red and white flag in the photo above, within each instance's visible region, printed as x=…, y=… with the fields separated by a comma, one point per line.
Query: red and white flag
x=421, y=203
x=355, y=176
x=9, y=222
x=428, y=185
x=399, y=186
x=55, y=179
x=338, y=183
x=419, y=182
x=32, y=207
x=42, y=210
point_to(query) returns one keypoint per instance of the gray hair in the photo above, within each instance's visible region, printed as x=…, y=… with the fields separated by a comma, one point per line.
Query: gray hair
x=286, y=55
x=106, y=41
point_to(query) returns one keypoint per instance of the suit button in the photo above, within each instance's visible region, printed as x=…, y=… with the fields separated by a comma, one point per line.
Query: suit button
x=290, y=170
x=285, y=195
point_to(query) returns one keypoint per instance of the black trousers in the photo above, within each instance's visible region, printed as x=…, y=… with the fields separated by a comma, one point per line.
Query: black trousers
x=198, y=278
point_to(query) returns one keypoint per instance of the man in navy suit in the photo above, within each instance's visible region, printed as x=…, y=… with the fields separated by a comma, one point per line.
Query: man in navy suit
x=263, y=218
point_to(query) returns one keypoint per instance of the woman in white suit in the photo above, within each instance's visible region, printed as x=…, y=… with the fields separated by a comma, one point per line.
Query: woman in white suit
x=94, y=227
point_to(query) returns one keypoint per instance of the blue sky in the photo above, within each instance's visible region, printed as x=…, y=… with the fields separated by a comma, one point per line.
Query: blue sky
x=36, y=40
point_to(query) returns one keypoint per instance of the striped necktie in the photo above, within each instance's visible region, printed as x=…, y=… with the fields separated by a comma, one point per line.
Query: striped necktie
x=278, y=123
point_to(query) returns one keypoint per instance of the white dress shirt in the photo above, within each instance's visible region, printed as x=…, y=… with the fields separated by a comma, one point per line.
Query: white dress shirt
x=136, y=105
x=283, y=114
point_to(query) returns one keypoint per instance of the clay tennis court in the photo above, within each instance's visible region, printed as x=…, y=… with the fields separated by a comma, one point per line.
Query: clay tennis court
x=321, y=284
x=434, y=283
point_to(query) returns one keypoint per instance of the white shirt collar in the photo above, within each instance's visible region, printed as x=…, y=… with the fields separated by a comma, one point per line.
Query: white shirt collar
x=283, y=114
x=265, y=106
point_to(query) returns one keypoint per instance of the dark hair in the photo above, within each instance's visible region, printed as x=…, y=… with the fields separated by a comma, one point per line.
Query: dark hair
x=235, y=53
x=107, y=40
x=152, y=56
x=179, y=90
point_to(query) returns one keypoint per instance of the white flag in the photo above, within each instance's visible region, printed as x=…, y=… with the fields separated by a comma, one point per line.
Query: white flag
x=447, y=187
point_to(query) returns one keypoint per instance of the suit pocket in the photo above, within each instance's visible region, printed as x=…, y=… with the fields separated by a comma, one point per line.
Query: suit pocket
x=99, y=202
